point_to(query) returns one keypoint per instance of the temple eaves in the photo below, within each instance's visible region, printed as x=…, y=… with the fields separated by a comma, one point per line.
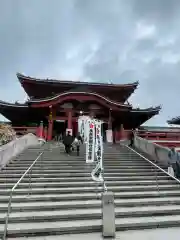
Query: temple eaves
x=22, y=77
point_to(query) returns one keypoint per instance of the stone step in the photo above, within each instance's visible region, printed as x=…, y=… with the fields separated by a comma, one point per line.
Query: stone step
x=55, y=153
x=56, y=156
x=61, y=205
x=56, y=227
x=81, y=169
x=127, y=196
x=52, y=167
x=72, y=179
x=124, y=165
x=92, y=213
x=88, y=183
x=88, y=226
x=110, y=162
x=55, y=201
x=85, y=169
x=92, y=189
x=64, y=157
x=83, y=174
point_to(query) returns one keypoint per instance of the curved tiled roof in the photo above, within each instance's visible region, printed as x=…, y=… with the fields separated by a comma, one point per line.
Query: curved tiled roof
x=3, y=103
x=22, y=77
x=151, y=109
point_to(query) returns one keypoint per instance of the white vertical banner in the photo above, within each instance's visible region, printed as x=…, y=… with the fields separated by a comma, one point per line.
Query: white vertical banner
x=79, y=124
x=90, y=145
x=86, y=128
x=82, y=127
x=97, y=172
x=99, y=142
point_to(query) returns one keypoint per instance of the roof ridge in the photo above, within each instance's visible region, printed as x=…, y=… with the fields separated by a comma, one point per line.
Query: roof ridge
x=20, y=76
x=157, y=108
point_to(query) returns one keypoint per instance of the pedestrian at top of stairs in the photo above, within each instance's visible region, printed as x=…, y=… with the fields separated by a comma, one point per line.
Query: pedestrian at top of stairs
x=67, y=141
x=173, y=156
x=77, y=142
x=174, y=161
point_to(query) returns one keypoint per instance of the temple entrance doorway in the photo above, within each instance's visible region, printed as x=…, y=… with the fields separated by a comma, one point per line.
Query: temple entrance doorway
x=59, y=128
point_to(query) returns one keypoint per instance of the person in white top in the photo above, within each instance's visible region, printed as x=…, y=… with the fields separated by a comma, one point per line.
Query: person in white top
x=77, y=142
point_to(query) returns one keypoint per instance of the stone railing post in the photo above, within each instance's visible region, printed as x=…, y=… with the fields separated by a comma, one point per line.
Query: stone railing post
x=108, y=215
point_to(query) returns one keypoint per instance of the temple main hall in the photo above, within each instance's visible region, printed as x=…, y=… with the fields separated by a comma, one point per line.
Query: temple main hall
x=58, y=104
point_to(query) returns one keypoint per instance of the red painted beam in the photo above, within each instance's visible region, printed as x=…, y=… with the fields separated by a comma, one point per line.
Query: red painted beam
x=70, y=97
x=64, y=118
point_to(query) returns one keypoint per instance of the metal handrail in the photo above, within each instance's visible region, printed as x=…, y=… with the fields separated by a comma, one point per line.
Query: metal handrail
x=155, y=165
x=11, y=194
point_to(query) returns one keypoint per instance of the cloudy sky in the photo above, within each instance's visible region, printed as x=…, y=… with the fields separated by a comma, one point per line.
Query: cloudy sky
x=95, y=40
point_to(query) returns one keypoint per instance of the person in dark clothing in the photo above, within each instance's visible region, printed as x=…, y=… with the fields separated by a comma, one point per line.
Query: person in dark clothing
x=67, y=141
x=174, y=161
x=131, y=138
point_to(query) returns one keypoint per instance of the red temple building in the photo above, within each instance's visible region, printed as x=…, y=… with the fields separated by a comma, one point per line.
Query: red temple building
x=58, y=105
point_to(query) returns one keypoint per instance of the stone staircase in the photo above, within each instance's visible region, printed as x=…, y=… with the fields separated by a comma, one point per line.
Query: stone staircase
x=61, y=198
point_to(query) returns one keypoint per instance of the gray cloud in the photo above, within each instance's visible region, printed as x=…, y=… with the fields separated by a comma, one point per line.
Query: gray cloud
x=98, y=40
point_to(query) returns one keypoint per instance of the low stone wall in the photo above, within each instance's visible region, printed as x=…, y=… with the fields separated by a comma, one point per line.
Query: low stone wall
x=15, y=147
x=155, y=151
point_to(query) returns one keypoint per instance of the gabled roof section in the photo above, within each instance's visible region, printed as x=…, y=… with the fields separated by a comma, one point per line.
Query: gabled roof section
x=7, y=104
x=22, y=78
x=156, y=110
x=41, y=88
x=140, y=116
x=175, y=120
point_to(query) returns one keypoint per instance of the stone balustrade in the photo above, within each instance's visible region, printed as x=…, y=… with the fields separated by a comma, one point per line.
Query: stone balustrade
x=15, y=147
x=155, y=151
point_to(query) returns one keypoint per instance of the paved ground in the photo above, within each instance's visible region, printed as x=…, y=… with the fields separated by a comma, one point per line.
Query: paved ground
x=155, y=234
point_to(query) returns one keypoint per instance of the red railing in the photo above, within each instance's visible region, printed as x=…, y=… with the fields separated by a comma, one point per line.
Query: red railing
x=166, y=139
x=170, y=136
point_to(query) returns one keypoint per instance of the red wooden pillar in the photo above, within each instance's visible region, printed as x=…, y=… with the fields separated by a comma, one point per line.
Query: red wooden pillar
x=75, y=127
x=50, y=128
x=50, y=124
x=110, y=121
x=69, y=120
x=45, y=133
